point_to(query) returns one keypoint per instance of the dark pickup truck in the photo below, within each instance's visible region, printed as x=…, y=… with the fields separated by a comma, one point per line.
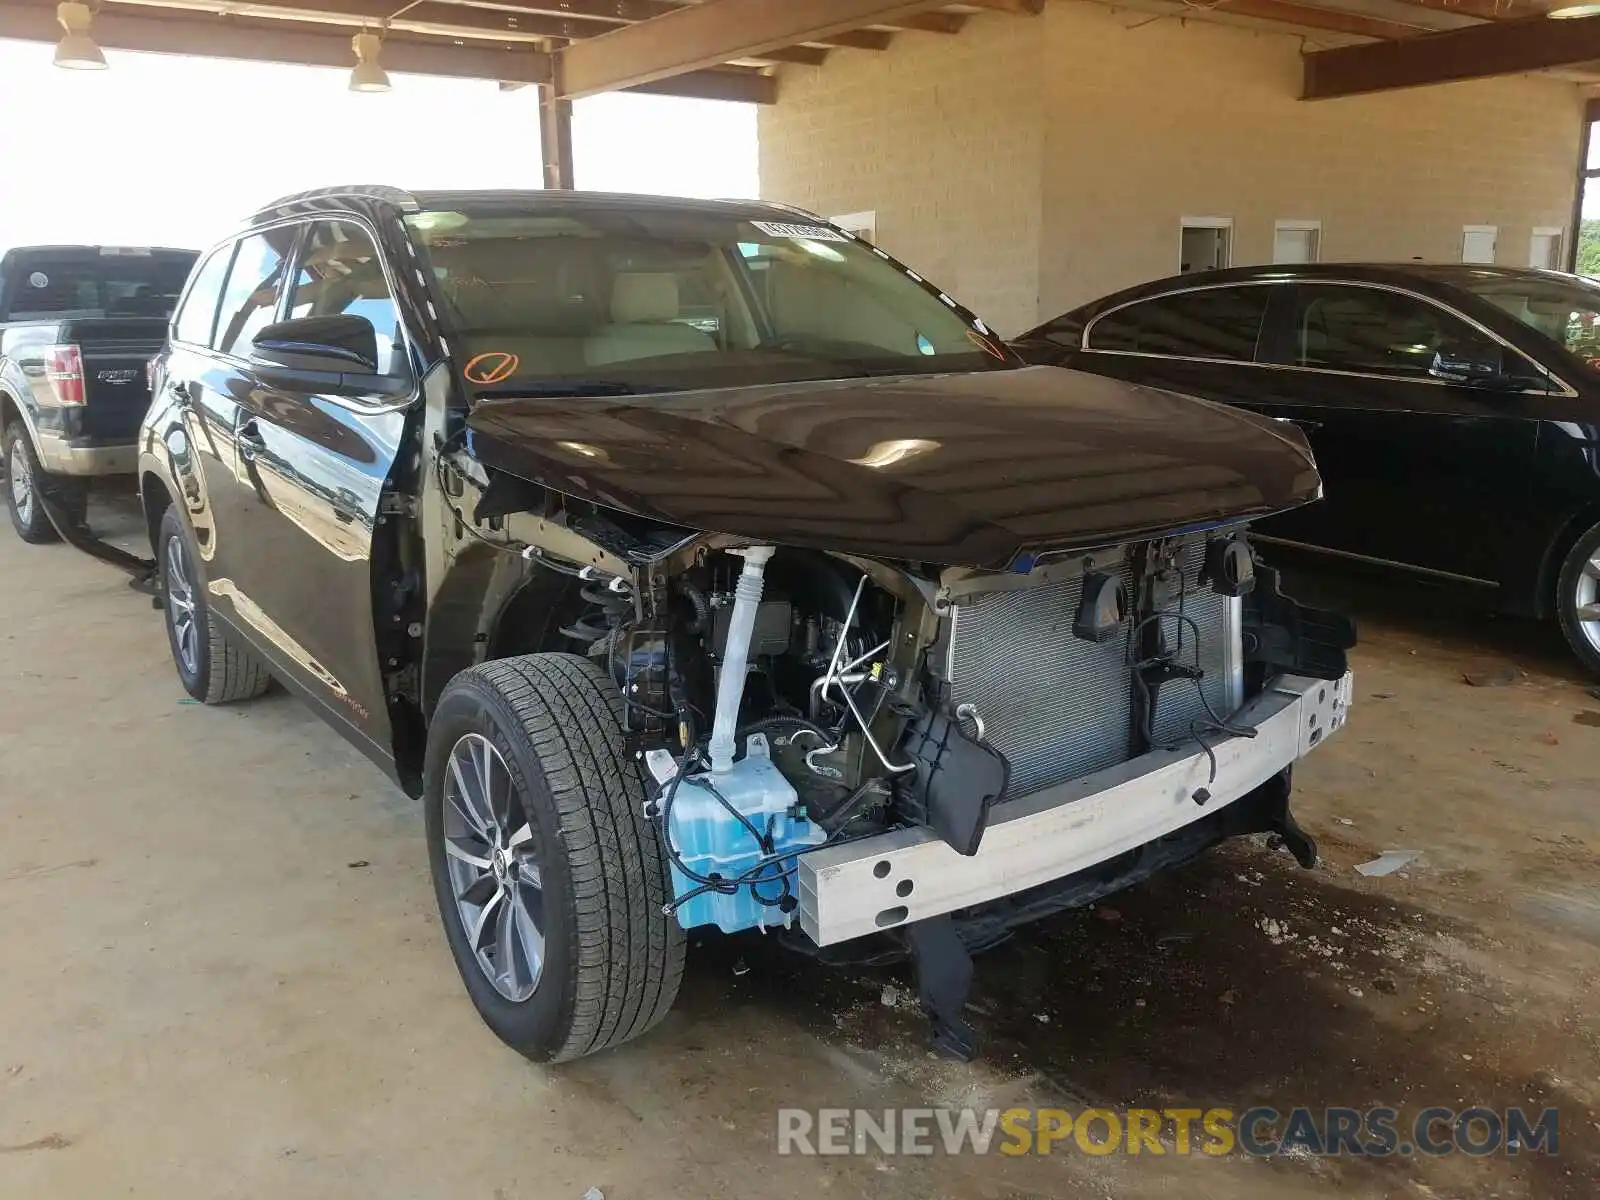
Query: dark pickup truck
x=78, y=324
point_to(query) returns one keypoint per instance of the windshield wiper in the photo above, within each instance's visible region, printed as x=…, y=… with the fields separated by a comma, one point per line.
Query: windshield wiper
x=536, y=389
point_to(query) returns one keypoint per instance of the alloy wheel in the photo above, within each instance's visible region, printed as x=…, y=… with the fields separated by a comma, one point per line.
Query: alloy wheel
x=21, y=481
x=181, y=607
x=493, y=868
x=1586, y=600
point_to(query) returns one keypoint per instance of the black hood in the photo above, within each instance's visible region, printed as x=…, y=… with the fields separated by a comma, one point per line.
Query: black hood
x=970, y=469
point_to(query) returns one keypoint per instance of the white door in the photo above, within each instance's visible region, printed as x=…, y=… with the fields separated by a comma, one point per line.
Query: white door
x=1205, y=244
x=1477, y=243
x=1544, y=251
x=1296, y=242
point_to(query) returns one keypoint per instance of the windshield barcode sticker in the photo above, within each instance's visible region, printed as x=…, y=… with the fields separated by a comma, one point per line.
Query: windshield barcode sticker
x=815, y=233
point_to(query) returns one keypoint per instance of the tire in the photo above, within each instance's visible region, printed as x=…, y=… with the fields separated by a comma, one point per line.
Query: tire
x=581, y=863
x=212, y=668
x=1577, y=593
x=23, y=480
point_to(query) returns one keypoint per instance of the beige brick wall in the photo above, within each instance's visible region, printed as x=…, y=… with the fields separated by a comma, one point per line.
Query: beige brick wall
x=1028, y=165
x=943, y=138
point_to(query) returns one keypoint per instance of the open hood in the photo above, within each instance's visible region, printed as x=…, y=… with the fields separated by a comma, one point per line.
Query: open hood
x=957, y=470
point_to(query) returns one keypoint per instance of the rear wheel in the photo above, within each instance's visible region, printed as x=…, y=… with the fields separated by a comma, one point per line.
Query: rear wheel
x=24, y=479
x=212, y=668
x=550, y=879
x=1578, y=599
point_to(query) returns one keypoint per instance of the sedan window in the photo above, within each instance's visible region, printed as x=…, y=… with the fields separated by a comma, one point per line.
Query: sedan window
x=1216, y=323
x=1374, y=331
x=1566, y=311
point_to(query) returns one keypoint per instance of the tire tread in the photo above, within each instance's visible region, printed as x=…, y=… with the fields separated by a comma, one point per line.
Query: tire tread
x=630, y=956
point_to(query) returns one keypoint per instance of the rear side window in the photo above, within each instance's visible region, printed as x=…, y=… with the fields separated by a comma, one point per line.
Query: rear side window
x=250, y=299
x=1222, y=322
x=341, y=274
x=106, y=285
x=198, y=315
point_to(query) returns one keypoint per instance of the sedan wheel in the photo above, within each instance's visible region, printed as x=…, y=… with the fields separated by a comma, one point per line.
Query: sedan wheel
x=1578, y=599
x=494, y=873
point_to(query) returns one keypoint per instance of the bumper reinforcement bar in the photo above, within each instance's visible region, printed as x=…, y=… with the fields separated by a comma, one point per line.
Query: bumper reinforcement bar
x=884, y=882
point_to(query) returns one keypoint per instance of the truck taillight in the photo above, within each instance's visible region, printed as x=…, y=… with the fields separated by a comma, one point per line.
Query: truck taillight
x=63, y=367
x=150, y=374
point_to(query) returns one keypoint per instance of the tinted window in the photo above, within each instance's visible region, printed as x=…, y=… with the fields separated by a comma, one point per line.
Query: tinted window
x=125, y=284
x=1565, y=310
x=199, y=311
x=250, y=300
x=1374, y=331
x=341, y=273
x=1212, y=323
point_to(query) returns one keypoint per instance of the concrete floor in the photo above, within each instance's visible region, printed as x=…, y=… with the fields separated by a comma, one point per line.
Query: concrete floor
x=223, y=974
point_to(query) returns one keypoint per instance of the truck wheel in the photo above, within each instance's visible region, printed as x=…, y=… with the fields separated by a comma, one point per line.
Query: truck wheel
x=213, y=669
x=23, y=478
x=549, y=877
x=1578, y=599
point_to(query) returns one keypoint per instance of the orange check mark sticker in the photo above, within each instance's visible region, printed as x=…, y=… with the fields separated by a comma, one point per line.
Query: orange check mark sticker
x=492, y=366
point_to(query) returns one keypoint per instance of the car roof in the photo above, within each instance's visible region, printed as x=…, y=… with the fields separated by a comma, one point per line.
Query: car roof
x=526, y=201
x=1429, y=278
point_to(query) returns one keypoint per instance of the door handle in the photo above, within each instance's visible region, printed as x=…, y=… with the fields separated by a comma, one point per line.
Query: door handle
x=248, y=436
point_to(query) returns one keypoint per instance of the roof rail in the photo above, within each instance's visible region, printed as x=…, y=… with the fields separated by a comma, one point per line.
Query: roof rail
x=291, y=204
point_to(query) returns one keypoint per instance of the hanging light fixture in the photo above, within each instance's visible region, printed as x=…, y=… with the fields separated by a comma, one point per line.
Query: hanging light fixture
x=76, y=51
x=368, y=74
x=1569, y=11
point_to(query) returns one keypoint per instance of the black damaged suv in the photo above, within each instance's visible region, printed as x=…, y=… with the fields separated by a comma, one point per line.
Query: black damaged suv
x=699, y=564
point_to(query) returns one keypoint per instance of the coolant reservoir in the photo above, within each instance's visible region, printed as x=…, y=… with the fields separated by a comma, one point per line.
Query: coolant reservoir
x=711, y=840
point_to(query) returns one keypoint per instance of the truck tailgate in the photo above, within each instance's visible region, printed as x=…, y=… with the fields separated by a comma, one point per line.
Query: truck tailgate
x=116, y=390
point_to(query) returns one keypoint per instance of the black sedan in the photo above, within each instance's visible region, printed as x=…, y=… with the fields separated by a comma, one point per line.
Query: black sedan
x=1454, y=410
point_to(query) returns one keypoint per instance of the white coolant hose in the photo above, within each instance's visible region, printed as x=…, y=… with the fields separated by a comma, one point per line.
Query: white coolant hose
x=736, y=655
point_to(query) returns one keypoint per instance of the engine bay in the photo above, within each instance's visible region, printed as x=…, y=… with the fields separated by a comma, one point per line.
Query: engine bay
x=783, y=700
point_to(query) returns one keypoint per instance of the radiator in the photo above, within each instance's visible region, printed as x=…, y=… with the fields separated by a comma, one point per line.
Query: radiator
x=1059, y=707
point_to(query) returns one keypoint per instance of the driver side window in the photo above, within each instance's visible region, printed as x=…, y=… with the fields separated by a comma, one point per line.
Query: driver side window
x=341, y=274
x=1371, y=331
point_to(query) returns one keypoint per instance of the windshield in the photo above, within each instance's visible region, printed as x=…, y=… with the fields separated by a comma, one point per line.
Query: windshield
x=1566, y=311
x=657, y=299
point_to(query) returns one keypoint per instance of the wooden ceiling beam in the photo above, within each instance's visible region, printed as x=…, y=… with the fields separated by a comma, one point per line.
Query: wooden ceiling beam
x=857, y=39
x=211, y=36
x=1486, y=10
x=1021, y=8
x=929, y=22
x=1475, y=52
x=713, y=32
x=1357, y=24
x=431, y=17
x=719, y=83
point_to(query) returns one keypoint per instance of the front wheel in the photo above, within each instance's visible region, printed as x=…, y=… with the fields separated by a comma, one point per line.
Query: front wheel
x=1578, y=599
x=212, y=668
x=549, y=877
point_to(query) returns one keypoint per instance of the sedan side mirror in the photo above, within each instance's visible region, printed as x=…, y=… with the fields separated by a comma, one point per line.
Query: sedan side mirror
x=343, y=343
x=1476, y=364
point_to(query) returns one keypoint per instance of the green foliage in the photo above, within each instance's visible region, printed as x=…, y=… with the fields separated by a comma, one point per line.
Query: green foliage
x=1589, y=247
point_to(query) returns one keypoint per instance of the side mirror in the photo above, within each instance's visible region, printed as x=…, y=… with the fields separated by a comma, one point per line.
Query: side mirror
x=1475, y=364
x=343, y=343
